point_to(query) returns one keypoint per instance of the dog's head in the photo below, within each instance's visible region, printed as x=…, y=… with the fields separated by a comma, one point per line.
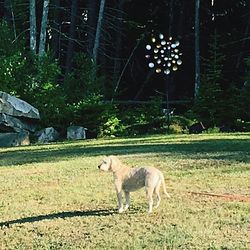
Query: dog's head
x=109, y=163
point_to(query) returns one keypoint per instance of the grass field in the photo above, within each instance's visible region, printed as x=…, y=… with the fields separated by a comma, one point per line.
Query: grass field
x=54, y=197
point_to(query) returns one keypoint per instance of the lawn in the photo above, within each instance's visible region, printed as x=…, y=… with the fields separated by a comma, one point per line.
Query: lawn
x=54, y=197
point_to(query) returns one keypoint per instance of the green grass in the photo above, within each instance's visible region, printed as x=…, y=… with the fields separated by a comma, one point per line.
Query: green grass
x=53, y=196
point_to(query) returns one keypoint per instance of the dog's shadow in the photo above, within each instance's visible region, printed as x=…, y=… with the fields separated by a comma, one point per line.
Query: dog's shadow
x=62, y=215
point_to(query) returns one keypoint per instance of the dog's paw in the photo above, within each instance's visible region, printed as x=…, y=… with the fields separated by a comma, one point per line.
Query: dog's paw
x=126, y=207
x=120, y=210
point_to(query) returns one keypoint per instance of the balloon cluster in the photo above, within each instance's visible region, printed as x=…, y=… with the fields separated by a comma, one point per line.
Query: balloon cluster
x=163, y=55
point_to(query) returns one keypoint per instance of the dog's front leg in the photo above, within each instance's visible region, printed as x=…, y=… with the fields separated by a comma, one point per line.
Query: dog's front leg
x=120, y=205
x=119, y=197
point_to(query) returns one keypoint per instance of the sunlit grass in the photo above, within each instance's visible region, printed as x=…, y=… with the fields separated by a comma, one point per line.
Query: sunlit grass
x=53, y=196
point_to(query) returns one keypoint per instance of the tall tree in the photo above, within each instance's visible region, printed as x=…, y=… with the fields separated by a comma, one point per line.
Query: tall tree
x=91, y=25
x=118, y=43
x=55, y=25
x=197, y=48
x=9, y=14
x=70, y=49
x=98, y=30
x=33, y=26
x=7, y=10
x=44, y=23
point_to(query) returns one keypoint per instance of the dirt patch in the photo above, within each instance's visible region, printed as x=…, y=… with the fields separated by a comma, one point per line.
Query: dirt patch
x=233, y=197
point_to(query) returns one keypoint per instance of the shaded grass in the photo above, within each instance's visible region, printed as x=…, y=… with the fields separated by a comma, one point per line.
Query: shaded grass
x=234, y=147
x=53, y=197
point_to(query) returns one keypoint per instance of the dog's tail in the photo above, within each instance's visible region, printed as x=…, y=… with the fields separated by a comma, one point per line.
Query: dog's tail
x=164, y=186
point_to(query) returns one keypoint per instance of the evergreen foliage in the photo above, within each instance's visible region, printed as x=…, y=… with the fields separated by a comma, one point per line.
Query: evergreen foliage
x=210, y=103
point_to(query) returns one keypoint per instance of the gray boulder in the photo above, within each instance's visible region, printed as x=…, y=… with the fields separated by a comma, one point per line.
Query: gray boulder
x=47, y=135
x=13, y=106
x=14, y=139
x=12, y=124
x=76, y=133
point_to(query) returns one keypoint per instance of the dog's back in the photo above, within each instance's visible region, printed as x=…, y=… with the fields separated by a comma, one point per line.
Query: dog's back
x=140, y=177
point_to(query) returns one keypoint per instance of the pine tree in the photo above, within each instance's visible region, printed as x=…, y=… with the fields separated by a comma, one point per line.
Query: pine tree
x=209, y=102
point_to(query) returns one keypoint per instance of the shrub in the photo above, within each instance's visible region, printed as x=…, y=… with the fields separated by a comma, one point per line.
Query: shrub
x=176, y=129
x=144, y=118
x=113, y=127
x=92, y=114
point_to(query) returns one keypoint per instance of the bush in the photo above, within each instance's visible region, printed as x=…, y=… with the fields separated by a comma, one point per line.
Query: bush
x=176, y=129
x=93, y=114
x=145, y=118
x=113, y=127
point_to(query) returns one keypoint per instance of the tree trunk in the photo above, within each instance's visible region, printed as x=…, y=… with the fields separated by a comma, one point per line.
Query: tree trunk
x=91, y=27
x=117, y=55
x=243, y=44
x=197, y=48
x=171, y=17
x=98, y=31
x=44, y=23
x=9, y=14
x=55, y=28
x=7, y=10
x=182, y=19
x=70, y=49
x=33, y=26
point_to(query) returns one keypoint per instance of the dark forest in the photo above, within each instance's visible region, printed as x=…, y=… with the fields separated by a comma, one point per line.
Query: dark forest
x=89, y=63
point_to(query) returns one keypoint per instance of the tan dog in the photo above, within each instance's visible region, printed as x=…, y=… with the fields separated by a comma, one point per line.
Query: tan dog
x=130, y=179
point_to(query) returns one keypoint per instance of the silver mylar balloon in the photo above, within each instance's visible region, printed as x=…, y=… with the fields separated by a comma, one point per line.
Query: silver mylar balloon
x=167, y=71
x=175, y=68
x=151, y=65
x=161, y=36
x=179, y=62
x=163, y=42
x=177, y=43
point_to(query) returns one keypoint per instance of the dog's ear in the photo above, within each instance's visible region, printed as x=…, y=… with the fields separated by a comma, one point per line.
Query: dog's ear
x=114, y=163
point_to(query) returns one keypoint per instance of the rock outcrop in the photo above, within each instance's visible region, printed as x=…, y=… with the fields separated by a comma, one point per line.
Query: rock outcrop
x=76, y=133
x=14, y=139
x=16, y=107
x=17, y=119
x=47, y=135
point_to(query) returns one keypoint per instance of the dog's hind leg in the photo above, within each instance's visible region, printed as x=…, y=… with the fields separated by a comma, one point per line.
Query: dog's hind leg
x=127, y=197
x=157, y=192
x=149, y=192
